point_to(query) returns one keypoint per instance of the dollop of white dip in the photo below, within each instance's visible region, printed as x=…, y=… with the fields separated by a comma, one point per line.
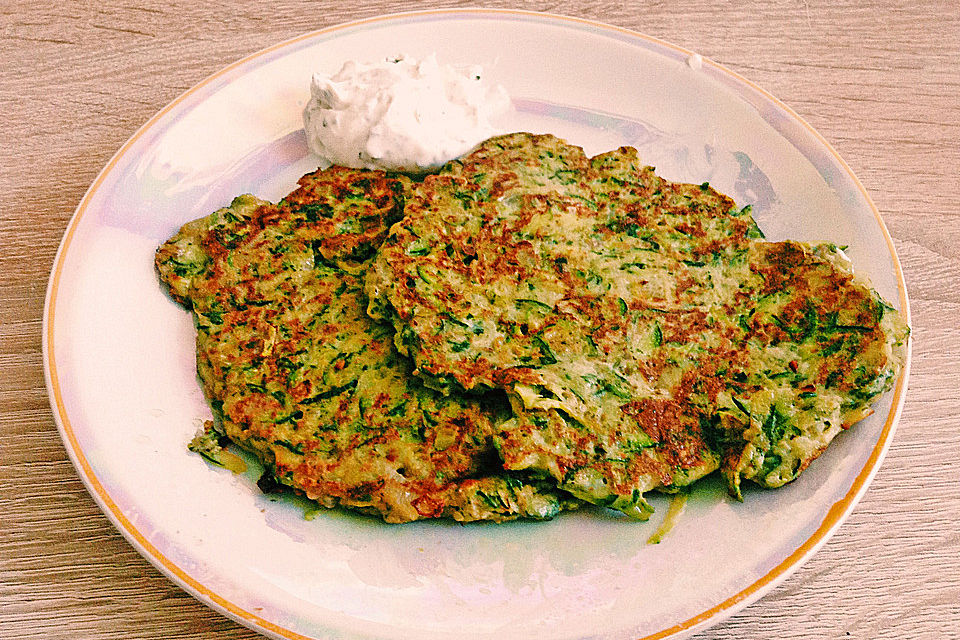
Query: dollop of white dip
x=400, y=114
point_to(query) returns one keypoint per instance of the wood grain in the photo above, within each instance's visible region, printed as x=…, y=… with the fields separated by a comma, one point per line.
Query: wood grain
x=879, y=79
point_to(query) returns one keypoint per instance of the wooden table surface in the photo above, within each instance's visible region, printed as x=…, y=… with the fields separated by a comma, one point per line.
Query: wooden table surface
x=879, y=79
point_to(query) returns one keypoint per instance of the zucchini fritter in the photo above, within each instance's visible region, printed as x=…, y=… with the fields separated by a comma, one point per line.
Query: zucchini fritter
x=645, y=332
x=298, y=374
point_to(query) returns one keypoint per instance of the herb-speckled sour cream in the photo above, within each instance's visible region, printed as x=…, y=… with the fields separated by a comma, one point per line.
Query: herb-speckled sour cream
x=400, y=114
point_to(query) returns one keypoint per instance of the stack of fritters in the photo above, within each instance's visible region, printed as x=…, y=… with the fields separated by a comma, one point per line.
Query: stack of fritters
x=644, y=331
x=568, y=328
x=299, y=375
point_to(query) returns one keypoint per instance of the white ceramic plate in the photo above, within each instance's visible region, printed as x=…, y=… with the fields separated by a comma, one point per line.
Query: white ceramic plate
x=119, y=354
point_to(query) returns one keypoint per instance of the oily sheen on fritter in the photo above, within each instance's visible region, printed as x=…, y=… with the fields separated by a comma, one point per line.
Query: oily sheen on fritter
x=645, y=332
x=298, y=374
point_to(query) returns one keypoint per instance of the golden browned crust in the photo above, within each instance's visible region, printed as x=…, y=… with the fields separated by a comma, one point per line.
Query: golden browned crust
x=298, y=374
x=643, y=329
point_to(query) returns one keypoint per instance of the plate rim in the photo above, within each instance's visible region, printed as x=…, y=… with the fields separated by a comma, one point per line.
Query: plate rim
x=832, y=519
